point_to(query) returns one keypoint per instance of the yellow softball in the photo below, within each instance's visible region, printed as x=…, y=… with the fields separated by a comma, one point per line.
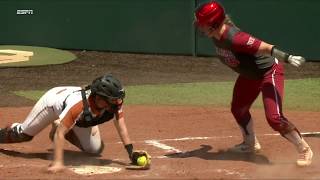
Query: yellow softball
x=142, y=161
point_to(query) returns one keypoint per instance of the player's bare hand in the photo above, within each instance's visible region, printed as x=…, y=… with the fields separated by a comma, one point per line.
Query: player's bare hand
x=55, y=167
x=296, y=60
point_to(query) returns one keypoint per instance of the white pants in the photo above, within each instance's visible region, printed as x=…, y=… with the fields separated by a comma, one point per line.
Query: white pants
x=43, y=115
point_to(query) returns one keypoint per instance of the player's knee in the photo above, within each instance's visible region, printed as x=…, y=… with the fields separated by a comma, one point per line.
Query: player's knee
x=100, y=150
x=95, y=150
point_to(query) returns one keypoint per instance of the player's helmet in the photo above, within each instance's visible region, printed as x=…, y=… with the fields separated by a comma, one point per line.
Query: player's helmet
x=209, y=14
x=108, y=87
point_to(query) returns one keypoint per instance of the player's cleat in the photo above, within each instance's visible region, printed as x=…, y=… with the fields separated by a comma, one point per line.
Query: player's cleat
x=250, y=142
x=305, y=157
x=304, y=150
x=246, y=148
x=13, y=134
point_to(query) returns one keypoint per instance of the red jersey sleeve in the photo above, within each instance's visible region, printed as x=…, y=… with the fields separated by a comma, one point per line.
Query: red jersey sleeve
x=245, y=43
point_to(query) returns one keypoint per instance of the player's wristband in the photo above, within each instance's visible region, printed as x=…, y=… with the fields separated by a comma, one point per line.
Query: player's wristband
x=277, y=53
x=129, y=148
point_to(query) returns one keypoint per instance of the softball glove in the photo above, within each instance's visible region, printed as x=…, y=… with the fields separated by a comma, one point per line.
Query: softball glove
x=134, y=160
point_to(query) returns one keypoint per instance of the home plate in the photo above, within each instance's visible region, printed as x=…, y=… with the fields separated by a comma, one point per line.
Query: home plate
x=91, y=170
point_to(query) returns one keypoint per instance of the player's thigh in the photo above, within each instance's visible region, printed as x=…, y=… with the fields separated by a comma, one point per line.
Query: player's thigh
x=245, y=92
x=39, y=117
x=89, y=138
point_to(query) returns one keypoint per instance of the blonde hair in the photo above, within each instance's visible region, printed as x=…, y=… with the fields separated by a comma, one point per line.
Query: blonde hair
x=227, y=20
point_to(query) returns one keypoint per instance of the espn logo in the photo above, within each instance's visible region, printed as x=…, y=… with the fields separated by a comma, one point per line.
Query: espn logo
x=24, y=12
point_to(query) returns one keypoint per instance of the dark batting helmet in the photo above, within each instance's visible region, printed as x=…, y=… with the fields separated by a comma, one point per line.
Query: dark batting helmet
x=107, y=86
x=209, y=14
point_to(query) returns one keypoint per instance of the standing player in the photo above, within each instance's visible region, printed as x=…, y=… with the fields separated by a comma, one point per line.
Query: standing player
x=257, y=63
x=75, y=113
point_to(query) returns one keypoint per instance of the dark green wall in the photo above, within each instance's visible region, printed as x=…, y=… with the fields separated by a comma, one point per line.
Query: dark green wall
x=155, y=26
x=151, y=26
x=292, y=25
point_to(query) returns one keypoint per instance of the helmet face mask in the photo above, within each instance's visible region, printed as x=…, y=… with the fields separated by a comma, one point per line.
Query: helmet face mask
x=109, y=88
x=115, y=101
x=106, y=101
x=112, y=100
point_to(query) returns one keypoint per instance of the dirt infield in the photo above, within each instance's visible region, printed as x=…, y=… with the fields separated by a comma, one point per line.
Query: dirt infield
x=185, y=142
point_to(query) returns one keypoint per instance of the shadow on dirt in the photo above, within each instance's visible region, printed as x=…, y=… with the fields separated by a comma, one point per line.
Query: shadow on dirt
x=74, y=158
x=311, y=135
x=221, y=155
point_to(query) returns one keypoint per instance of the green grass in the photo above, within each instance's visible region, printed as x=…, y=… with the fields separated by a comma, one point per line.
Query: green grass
x=301, y=94
x=33, y=95
x=41, y=56
x=180, y=94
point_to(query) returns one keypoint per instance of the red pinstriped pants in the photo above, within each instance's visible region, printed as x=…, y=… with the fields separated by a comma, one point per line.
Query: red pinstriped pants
x=272, y=88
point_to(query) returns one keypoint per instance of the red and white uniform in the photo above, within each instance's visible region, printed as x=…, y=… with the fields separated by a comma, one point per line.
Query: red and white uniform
x=237, y=50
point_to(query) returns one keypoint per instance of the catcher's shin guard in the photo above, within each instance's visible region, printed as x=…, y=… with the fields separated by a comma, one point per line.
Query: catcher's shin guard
x=13, y=134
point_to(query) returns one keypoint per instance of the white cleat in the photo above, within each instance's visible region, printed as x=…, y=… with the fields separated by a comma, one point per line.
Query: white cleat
x=246, y=148
x=305, y=157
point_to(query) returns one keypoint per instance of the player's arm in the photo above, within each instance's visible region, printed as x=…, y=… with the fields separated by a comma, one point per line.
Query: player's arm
x=68, y=119
x=122, y=130
x=268, y=49
x=264, y=49
x=58, y=160
x=121, y=127
x=243, y=42
x=133, y=155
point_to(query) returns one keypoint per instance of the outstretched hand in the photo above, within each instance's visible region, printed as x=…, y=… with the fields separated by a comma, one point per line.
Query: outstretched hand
x=55, y=167
x=296, y=60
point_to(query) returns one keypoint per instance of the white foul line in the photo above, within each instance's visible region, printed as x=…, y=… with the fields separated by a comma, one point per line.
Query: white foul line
x=220, y=137
x=212, y=137
x=167, y=148
x=230, y=172
x=162, y=146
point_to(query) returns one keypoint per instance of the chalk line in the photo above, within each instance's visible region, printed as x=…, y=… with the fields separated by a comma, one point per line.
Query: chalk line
x=211, y=137
x=162, y=146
